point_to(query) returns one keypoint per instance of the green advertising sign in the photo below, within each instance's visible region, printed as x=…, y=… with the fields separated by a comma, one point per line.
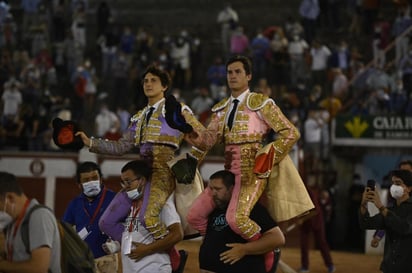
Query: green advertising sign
x=395, y=131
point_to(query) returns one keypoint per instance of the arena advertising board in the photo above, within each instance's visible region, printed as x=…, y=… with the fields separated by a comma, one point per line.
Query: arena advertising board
x=388, y=131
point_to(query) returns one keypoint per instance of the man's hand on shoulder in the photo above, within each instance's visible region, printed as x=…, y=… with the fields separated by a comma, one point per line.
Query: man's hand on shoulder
x=234, y=254
x=139, y=251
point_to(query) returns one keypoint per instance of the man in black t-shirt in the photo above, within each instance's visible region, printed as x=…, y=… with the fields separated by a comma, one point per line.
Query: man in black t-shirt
x=224, y=251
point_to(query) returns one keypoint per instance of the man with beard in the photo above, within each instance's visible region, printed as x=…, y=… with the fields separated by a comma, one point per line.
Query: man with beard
x=222, y=249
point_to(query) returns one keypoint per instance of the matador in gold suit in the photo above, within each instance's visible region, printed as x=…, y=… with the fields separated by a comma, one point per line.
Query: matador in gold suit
x=258, y=168
x=157, y=143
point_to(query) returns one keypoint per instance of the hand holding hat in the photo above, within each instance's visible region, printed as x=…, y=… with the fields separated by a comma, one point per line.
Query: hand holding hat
x=174, y=117
x=64, y=135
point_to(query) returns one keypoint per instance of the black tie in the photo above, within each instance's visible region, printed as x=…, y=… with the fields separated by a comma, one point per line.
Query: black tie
x=232, y=114
x=149, y=114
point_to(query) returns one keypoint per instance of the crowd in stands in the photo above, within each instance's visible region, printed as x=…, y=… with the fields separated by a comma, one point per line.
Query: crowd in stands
x=49, y=68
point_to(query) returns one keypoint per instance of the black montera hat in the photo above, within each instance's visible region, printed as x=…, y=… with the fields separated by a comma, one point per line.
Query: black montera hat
x=63, y=135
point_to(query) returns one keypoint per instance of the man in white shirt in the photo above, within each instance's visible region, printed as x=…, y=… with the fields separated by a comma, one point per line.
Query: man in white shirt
x=320, y=55
x=106, y=121
x=122, y=221
x=227, y=18
x=12, y=99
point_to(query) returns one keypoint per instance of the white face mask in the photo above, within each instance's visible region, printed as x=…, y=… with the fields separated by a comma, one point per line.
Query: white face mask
x=5, y=218
x=91, y=188
x=396, y=191
x=134, y=194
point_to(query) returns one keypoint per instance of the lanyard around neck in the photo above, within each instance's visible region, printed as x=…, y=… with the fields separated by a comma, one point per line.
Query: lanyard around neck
x=96, y=211
x=136, y=208
x=14, y=233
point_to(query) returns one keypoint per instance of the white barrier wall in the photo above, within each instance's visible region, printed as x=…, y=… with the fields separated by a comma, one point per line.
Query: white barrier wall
x=50, y=166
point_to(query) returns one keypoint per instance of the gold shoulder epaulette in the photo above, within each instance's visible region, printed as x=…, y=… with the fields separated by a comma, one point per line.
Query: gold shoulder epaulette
x=186, y=107
x=220, y=105
x=256, y=101
x=137, y=116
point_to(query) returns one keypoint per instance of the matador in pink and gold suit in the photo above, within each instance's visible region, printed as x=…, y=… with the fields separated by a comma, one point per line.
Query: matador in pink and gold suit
x=260, y=170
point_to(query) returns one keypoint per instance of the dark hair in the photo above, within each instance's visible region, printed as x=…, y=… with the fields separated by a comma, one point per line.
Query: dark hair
x=405, y=162
x=247, y=63
x=85, y=167
x=227, y=177
x=405, y=175
x=139, y=167
x=162, y=74
x=8, y=183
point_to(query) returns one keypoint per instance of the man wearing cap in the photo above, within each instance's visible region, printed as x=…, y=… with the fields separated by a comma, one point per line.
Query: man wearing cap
x=395, y=220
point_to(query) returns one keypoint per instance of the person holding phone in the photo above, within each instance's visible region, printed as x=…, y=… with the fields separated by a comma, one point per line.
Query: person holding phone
x=379, y=234
x=396, y=220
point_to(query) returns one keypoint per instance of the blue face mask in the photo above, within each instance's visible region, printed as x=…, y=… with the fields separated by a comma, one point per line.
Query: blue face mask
x=91, y=188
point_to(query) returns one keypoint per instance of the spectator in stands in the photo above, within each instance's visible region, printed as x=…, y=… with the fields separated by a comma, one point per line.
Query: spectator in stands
x=405, y=69
x=340, y=84
x=297, y=49
x=260, y=52
x=216, y=76
x=11, y=100
x=180, y=54
x=402, y=22
x=228, y=19
x=309, y=11
x=78, y=26
x=381, y=38
x=20, y=60
x=202, y=104
x=31, y=85
x=332, y=104
x=355, y=11
x=39, y=38
x=127, y=44
x=91, y=85
x=106, y=122
x=73, y=56
x=279, y=60
x=144, y=45
x=9, y=32
x=320, y=54
x=4, y=10
x=263, y=87
x=103, y=16
x=59, y=23
x=30, y=18
x=398, y=99
x=312, y=128
x=293, y=27
x=239, y=42
x=124, y=118
x=119, y=86
x=108, y=46
x=341, y=57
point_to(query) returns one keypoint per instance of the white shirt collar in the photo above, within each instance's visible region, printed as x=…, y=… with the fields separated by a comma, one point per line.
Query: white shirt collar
x=241, y=97
x=156, y=105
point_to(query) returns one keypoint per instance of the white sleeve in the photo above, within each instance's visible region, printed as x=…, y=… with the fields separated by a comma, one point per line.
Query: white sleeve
x=169, y=215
